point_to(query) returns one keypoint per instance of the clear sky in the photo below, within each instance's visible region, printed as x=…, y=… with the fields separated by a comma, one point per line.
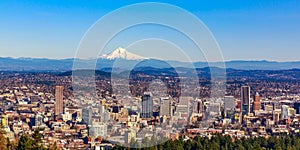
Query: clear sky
x=244, y=29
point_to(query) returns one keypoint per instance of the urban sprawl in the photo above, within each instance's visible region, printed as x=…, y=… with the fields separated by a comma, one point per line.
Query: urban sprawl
x=45, y=102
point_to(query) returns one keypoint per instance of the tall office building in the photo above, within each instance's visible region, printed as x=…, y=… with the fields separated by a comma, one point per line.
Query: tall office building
x=198, y=106
x=229, y=103
x=183, y=106
x=165, y=106
x=147, y=105
x=59, y=100
x=98, y=129
x=256, y=103
x=105, y=117
x=87, y=115
x=297, y=107
x=284, y=112
x=245, y=99
x=38, y=119
x=229, y=106
x=214, y=109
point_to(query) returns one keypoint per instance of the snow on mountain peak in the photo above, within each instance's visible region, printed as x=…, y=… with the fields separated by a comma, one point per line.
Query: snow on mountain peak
x=122, y=53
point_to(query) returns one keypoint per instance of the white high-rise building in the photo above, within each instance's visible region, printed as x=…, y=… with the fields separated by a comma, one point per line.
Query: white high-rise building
x=87, y=115
x=214, y=108
x=38, y=119
x=165, y=106
x=183, y=105
x=229, y=105
x=98, y=129
x=284, y=112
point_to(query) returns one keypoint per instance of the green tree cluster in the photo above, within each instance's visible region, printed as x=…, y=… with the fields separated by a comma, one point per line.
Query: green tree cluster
x=219, y=142
x=26, y=142
x=3, y=141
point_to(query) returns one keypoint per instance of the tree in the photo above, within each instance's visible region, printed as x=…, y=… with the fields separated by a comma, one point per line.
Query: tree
x=25, y=143
x=37, y=139
x=53, y=146
x=37, y=136
x=240, y=147
x=197, y=144
x=188, y=144
x=3, y=141
x=167, y=145
x=256, y=146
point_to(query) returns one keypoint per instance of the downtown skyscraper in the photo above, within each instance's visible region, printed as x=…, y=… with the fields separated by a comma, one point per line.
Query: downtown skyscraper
x=256, y=103
x=147, y=105
x=229, y=106
x=245, y=99
x=59, y=100
x=165, y=107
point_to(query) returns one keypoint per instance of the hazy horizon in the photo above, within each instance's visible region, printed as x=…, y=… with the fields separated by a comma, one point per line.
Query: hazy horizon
x=232, y=60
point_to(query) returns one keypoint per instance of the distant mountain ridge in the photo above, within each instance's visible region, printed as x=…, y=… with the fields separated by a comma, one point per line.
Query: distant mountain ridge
x=44, y=64
x=121, y=59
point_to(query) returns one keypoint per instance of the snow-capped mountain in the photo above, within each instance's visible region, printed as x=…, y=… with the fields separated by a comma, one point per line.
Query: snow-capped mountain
x=122, y=53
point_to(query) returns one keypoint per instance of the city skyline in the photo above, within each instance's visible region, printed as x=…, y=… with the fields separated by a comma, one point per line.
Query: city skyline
x=31, y=102
x=149, y=75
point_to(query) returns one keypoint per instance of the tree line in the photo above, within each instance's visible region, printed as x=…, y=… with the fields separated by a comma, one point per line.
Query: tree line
x=220, y=142
x=216, y=142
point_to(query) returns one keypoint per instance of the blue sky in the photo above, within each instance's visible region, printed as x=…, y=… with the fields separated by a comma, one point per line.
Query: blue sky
x=244, y=29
